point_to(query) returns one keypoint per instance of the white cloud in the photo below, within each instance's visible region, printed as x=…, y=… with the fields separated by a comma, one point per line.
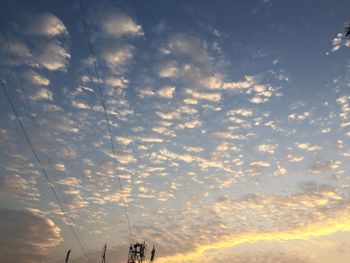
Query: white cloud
x=125, y=158
x=300, y=117
x=168, y=70
x=36, y=78
x=166, y=92
x=213, y=96
x=54, y=56
x=150, y=139
x=339, y=41
x=18, y=53
x=42, y=94
x=212, y=82
x=69, y=181
x=118, y=55
x=146, y=92
x=190, y=46
x=294, y=158
x=176, y=156
x=259, y=164
x=164, y=131
x=118, y=24
x=117, y=82
x=266, y=148
x=123, y=140
x=309, y=147
x=47, y=24
x=193, y=149
x=80, y=105
x=190, y=124
x=336, y=42
x=280, y=171
x=59, y=167
x=169, y=115
x=241, y=112
x=257, y=100
x=240, y=85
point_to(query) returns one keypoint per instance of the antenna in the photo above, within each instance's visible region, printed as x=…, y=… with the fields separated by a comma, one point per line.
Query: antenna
x=137, y=253
x=104, y=253
x=153, y=253
x=67, y=257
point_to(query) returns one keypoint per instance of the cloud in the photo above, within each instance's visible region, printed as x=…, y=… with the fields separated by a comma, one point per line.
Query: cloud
x=211, y=82
x=46, y=24
x=212, y=96
x=150, y=139
x=299, y=117
x=166, y=92
x=259, y=164
x=193, y=149
x=120, y=82
x=176, y=156
x=308, y=147
x=240, y=85
x=42, y=94
x=315, y=212
x=125, y=158
x=36, y=78
x=59, y=167
x=189, y=45
x=118, y=24
x=169, y=115
x=19, y=49
x=266, y=148
x=124, y=140
x=244, y=112
x=321, y=166
x=264, y=257
x=168, y=70
x=53, y=56
x=18, y=187
x=80, y=105
x=190, y=124
x=26, y=237
x=69, y=181
x=294, y=158
x=118, y=55
x=338, y=41
x=146, y=92
x=163, y=130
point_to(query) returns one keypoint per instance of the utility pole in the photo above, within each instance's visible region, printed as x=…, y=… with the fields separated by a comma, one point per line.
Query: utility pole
x=104, y=253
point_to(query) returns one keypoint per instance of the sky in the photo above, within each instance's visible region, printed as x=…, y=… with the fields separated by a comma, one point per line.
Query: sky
x=229, y=122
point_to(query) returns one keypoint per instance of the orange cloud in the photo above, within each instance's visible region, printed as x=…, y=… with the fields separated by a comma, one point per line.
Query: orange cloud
x=341, y=223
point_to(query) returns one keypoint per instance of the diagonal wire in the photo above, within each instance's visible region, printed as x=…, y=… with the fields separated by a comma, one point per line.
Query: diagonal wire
x=93, y=56
x=28, y=140
x=27, y=104
x=36, y=126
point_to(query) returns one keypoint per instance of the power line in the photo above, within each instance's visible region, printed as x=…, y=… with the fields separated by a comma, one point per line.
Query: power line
x=76, y=233
x=28, y=140
x=93, y=56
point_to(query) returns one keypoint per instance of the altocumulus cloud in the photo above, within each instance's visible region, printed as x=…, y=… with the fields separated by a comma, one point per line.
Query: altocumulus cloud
x=46, y=24
x=26, y=237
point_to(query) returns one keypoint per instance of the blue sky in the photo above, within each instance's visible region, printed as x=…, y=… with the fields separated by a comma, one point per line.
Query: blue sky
x=229, y=119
